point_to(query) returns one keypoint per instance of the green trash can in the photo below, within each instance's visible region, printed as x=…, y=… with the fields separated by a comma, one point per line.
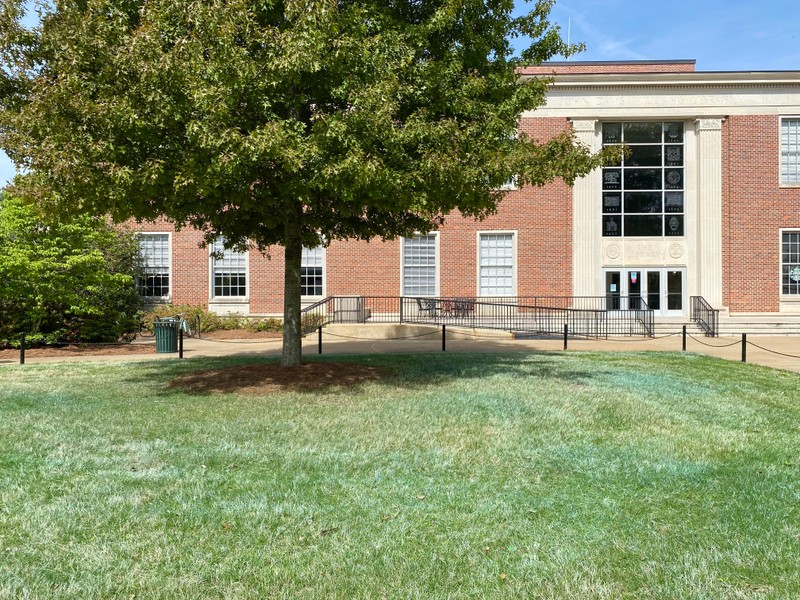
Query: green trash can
x=166, y=331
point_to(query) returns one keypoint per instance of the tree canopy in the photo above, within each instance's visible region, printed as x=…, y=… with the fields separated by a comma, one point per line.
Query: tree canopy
x=64, y=280
x=277, y=121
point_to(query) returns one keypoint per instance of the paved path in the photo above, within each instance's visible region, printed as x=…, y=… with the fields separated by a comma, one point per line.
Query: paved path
x=781, y=352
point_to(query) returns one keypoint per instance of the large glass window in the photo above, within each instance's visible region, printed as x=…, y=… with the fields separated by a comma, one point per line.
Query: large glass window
x=312, y=265
x=419, y=265
x=790, y=262
x=496, y=256
x=790, y=150
x=153, y=282
x=644, y=194
x=229, y=271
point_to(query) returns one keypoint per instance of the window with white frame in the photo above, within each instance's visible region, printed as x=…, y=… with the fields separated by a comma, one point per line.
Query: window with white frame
x=790, y=263
x=312, y=271
x=153, y=280
x=228, y=271
x=790, y=150
x=496, y=264
x=419, y=265
x=643, y=195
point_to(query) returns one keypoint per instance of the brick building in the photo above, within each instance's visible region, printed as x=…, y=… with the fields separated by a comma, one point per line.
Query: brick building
x=706, y=204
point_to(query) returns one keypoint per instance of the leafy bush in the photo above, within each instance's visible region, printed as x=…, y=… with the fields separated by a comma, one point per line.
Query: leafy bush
x=69, y=280
x=264, y=324
x=210, y=321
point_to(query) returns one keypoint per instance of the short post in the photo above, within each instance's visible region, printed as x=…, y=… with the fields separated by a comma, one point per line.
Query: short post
x=684, y=338
x=744, y=347
x=319, y=340
x=401, y=309
x=444, y=337
x=22, y=348
x=566, y=334
x=180, y=341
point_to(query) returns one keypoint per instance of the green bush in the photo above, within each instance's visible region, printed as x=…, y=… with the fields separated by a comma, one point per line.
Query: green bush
x=65, y=281
x=264, y=324
x=210, y=321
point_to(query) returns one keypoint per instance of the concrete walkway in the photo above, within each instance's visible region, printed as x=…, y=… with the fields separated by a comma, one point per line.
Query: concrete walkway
x=780, y=352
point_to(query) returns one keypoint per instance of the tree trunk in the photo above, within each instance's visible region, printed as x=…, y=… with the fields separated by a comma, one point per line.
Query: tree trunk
x=292, y=354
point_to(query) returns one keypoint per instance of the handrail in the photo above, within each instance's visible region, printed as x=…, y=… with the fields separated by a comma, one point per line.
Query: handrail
x=706, y=317
x=595, y=316
x=316, y=315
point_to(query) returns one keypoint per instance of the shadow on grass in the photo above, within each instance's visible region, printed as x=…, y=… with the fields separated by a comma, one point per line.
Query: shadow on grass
x=321, y=374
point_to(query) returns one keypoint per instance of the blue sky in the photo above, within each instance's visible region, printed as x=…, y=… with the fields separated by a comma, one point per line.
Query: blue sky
x=732, y=35
x=722, y=35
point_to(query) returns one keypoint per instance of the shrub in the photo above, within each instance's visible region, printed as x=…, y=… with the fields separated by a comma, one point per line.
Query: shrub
x=68, y=280
x=210, y=321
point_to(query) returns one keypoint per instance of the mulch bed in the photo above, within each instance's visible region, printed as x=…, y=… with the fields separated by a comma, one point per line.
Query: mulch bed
x=82, y=350
x=271, y=378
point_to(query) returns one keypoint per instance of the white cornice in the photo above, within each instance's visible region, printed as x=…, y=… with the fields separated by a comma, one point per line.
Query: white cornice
x=684, y=95
x=673, y=80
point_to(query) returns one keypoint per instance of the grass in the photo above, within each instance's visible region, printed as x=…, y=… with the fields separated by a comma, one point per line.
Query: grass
x=576, y=475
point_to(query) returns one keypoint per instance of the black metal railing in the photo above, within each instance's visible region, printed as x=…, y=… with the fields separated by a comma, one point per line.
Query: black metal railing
x=706, y=317
x=587, y=316
x=522, y=316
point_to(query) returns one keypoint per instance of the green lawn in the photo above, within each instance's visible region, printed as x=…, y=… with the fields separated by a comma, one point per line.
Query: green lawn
x=577, y=475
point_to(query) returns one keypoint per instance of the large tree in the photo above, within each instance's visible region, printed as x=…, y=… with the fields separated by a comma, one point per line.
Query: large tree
x=277, y=121
x=64, y=279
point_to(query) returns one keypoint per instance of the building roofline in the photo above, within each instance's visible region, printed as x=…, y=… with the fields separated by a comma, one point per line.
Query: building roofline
x=567, y=63
x=671, y=79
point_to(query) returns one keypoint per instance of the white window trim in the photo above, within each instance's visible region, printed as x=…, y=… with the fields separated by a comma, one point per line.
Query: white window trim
x=515, y=266
x=305, y=298
x=784, y=297
x=168, y=298
x=227, y=299
x=781, y=182
x=436, y=259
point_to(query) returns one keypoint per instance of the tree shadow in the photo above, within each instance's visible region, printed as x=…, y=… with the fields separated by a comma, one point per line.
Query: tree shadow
x=350, y=372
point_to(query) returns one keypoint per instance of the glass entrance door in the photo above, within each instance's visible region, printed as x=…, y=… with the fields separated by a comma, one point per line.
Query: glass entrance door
x=661, y=290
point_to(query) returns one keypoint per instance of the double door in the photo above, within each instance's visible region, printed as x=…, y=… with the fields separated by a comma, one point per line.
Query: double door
x=661, y=290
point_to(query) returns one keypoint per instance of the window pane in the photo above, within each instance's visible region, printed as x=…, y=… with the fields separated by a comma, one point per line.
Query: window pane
x=790, y=151
x=673, y=202
x=642, y=179
x=229, y=270
x=673, y=156
x=612, y=179
x=311, y=281
x=673, y=224
x=419, y=265
x=612, y=226
x=154, y=256
x=643, y=202
x=312, y=271
x=496, y=257
x=643, y=225
x=673, y=133
x=790, y=257
x=612, y=133
x=673, y=179
x=644, y=156
x=635, y=133
x=612, y=203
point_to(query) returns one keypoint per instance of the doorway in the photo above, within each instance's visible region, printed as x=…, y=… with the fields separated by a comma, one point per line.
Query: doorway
x=661, y=290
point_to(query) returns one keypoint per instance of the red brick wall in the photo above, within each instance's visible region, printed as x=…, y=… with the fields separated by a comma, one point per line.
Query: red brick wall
x=542, y=219
x=578, y=67
x=754, y=208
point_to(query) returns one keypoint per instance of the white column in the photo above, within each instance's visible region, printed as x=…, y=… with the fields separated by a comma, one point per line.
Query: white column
x=709, y=210
x=586, y=216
